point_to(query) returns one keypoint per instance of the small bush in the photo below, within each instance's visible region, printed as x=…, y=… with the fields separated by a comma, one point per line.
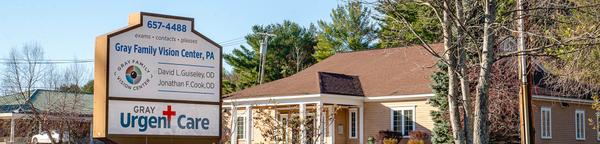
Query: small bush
x=391, y=141
x=413, y=141
x=371, y=140
x=389, y=137
x=418, y=135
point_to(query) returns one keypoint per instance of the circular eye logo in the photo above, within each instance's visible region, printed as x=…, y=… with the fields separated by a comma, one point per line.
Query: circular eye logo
x=133, y=74
x=137, y=74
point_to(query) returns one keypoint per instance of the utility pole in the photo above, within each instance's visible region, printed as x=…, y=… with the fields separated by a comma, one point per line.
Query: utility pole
x=524, y=94
x=263, y=54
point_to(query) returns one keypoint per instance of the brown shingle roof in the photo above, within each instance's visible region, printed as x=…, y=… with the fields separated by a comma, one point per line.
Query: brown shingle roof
x=382, y=72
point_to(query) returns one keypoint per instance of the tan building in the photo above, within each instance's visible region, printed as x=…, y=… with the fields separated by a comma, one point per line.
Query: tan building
x=564, y=120
x=350, y=97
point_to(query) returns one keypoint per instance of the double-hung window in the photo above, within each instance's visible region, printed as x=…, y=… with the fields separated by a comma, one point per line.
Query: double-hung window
x=285, y=120
x=353, y=123
x=546, y=123
x=241, y=127
x=311, y=128
x=403, y=119
x=579, y=124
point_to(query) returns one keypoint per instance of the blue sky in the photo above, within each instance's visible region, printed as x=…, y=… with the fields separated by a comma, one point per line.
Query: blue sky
x=67, y=29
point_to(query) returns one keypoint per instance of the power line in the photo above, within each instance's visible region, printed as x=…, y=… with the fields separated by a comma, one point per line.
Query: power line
x=232, y=40
x=44, y=61
x=232, y=44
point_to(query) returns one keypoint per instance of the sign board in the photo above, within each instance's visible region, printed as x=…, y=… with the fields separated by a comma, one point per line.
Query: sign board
x=163, y=59
x=154, y=118
x=157, y=77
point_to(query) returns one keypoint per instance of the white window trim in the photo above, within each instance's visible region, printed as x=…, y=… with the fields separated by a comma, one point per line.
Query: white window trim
x=314, y=119
x=281, y=116
x=413, y=108
x=350, y=111
x=286, y=123
x=576, y=121
x=542, y=122
x=284, y=116
x=243, y=126
x=287, y=117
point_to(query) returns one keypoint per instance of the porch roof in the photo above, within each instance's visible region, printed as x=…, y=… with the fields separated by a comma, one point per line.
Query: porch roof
x=369, y=73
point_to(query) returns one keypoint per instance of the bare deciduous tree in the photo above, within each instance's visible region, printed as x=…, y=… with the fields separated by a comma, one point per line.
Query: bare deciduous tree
x=63, y=111
x=472, y=32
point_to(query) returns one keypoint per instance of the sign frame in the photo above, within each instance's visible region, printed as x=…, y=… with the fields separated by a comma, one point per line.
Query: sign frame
x=101, y=90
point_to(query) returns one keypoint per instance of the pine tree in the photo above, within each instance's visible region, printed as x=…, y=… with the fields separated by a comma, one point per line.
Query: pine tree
x=289, y=51
x=441, y=133
x=351, y=29
x=394, y=33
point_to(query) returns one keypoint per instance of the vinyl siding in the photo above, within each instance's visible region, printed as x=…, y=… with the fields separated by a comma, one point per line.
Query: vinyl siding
x=378, y=116
x=563, y=123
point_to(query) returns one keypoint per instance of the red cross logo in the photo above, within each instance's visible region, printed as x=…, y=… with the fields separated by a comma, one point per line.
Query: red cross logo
x=169, y=113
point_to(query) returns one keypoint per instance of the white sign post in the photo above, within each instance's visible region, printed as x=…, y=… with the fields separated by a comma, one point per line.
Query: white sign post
x=157, y=77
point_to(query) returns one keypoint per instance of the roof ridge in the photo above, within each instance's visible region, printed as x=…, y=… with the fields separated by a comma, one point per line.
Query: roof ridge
x=376, y=49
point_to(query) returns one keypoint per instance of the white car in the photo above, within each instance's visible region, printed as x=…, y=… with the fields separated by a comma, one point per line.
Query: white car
x=44, y=138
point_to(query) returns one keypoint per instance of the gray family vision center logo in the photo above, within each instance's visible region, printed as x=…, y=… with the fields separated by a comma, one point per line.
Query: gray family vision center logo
x=133, y=75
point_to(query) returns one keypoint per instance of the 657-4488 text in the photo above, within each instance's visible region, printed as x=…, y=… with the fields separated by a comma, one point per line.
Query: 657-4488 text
x=168, y=26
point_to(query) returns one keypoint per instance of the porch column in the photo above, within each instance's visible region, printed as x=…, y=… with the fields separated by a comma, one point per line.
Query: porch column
x=248, y=124
x=331, y=124
x=302, y=121
x=361, y=125
x=320, y=123
x=276, y=116
x=12, y=129
x=233, y=136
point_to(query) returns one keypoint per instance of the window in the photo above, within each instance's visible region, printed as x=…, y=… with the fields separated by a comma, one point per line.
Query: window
x=580, y=125
x=403, y=120
x=241, y=127
x=311, y=128
x=546, y=123
x=353, y=122
x=311, y=118
x=283, y=118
